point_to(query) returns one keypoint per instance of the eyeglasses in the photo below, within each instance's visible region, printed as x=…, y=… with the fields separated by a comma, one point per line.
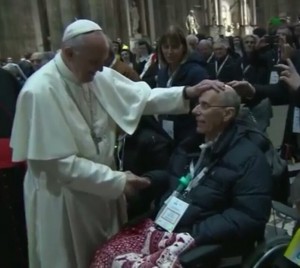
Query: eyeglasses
x=206, y=106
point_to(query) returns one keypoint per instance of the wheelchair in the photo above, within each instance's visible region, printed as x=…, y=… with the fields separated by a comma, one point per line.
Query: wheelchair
x=267, y=253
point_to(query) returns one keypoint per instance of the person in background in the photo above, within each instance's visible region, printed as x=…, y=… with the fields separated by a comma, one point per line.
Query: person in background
x=65, y=128
x=120, y=66
x=127, y=57
x=179, y=67
x=143, y=53
x=39, y=59
x=253, y=70
x=13, y=239
x=223, y=65
x=192, y=41
x=205, y=49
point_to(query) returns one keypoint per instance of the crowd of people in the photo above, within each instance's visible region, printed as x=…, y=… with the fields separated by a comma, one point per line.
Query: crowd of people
x=106, y=133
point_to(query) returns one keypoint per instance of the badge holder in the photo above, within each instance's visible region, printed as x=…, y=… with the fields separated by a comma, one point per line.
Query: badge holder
x=174, y=208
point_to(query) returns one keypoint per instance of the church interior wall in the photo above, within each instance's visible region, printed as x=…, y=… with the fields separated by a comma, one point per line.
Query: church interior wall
x=24, y=27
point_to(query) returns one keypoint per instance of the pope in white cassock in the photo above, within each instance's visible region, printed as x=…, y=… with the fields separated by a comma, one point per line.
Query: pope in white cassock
x=65, y=128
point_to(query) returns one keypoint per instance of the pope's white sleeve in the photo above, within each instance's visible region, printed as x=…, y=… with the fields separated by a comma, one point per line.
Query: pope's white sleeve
x=81, y=175
x=167, y=101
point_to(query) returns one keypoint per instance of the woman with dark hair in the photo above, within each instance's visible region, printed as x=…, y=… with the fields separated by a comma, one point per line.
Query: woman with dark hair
x=127, y=57
x=235, y=47
x=179, y=67
x=117, y=48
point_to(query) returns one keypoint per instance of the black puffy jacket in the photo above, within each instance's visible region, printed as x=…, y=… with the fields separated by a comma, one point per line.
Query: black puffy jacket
x=232, y=202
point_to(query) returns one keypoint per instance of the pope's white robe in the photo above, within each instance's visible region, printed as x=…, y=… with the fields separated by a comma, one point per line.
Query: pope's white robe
x=73, y=196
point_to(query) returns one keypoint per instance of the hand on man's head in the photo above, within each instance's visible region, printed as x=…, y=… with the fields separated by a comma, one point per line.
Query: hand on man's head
x=197, y=90
x=243, y=88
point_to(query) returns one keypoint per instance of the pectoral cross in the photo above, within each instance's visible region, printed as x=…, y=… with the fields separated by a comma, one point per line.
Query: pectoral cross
x=96, y=140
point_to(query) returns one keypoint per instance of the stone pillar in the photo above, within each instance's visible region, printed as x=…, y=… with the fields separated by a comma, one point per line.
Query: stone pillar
x=220, y=21
x=17, y=32
x=253, y=12
x=68, y=12
x=143, y=19
x=37, y=25
x=242, y=17
x=127, y=10
x=207, y=8
x=151, y=20
x=55, y=23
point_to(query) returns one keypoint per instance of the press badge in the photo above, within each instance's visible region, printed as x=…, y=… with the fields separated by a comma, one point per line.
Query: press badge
x=274, y=78
x=171, y=214
x=168, y=126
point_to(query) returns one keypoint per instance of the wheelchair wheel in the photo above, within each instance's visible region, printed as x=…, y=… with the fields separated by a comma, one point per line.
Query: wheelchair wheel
x=266, y=254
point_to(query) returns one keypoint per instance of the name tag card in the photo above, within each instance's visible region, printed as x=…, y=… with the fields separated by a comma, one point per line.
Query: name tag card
x=171, y=214
x=296, y=120
x=274, y=78
x=168, y=126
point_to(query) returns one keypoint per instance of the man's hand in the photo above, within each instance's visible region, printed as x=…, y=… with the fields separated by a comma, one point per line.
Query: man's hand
x=243, y=88
x=197, y=90
x=290, y=75
x=286, y=50
x=261, y=43
x=134, y=183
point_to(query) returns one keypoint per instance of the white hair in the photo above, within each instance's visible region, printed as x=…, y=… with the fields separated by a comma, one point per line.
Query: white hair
x=230, y=98
x=206, y=42
x=222, y=42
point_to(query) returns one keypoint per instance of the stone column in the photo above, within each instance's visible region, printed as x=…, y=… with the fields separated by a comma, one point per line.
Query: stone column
x=242, y=16
x=253, y=12
x=220, y=21
x=143, y=18
x=127, y=11
x=37, y=25
x=95, y=15
x=207, y=8
x=55, y=23
x=151, y=20
x=68, y=12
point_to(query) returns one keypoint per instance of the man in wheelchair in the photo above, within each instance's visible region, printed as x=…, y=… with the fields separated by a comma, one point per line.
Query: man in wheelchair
x=217, y=190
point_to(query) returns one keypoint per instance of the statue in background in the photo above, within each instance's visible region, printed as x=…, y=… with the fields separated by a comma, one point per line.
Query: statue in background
x=191, y=23
x=134, y=18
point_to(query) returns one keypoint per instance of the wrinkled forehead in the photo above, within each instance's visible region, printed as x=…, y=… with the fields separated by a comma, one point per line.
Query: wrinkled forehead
x=209, y=96
x=213, y=95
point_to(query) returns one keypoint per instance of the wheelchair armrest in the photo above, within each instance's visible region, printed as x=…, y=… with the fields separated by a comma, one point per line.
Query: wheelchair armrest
x=201, y=255
x=288, y=211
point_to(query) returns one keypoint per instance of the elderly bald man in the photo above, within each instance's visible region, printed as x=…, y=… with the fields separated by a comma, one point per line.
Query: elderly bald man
x=225, y=197
x=65, y=128
x=205, y=49
x=192, y=41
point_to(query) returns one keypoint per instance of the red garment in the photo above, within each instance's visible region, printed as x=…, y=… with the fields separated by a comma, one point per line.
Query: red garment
x=142, y=246
x=6, y=155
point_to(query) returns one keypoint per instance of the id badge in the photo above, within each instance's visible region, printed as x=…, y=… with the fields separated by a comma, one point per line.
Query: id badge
x=274, y=78
x=296, y=120
x=168, y=126
x=171, y=214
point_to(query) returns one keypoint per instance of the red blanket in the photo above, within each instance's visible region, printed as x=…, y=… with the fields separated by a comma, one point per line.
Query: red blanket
x=142, y=246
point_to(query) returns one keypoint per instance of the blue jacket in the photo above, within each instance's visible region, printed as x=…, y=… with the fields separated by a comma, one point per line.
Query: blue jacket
x=190, y=73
